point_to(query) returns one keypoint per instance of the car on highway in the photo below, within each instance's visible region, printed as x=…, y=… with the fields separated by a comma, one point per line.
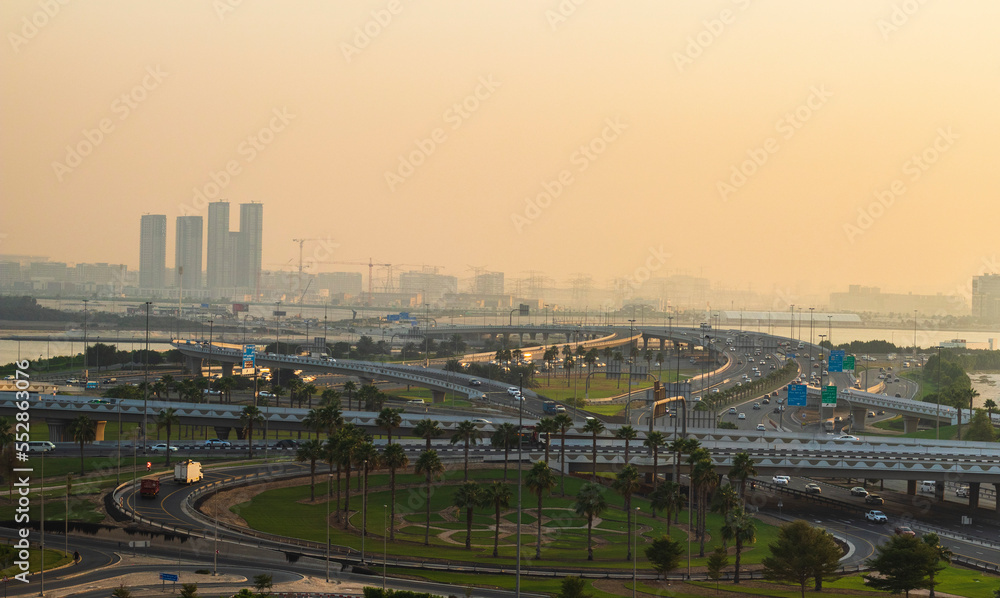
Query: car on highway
x=162, y=448
x=72, y=381
x=902, y=530
x=732, y=411
x=265, y=395
x=876, y=516
x=512, y=390
x=475, y=382
x=481, y=420
x=780, y=480
x=286, y=443
x=741, y=416
x=874, y=499
x=813, y=489
x=962, y=492
x=761, y=428
x=99, y=402
x=218, y=442
x=415, y=402
x=756, y=406
x=858, y=491
x=766, y=401
x=846, y=437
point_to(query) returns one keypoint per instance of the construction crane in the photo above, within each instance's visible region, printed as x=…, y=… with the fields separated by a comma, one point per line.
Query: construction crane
x=301, y=242
x=371, y=275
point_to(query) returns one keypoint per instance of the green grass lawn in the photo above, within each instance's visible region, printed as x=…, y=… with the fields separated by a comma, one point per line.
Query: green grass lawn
x=540, y=585
x=53, y=559
x=286, y=511
x=600, y=387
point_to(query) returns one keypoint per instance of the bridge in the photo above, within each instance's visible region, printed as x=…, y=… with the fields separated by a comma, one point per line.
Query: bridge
x=860, y=402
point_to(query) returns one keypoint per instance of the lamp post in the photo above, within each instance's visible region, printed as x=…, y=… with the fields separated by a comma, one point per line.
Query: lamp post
x=915, y=335
x=811, y=332
x=791, y=320
x=326, y=523
x=385, y=534
x=520, y=423
x=635, y=548
x=86, y=370
x=145, y=381
x=364, y=511
x=427, y=331
x=277, y=326
x=628, y=413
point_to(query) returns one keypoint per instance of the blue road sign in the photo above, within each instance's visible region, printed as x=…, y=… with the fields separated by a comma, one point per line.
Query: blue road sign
x=797, y=395
x=836, y=363
x=168, y=577
x=249, y=355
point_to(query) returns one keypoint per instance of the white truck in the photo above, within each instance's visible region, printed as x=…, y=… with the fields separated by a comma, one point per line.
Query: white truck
x=187, y=472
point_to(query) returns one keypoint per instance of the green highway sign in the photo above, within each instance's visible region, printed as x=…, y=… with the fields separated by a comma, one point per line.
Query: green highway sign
x=829, y=395
x=848, y=363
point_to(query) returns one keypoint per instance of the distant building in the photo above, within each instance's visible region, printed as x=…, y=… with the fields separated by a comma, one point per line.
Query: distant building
x=433, y=286
x=10, y=275
x=49, y=272
x=218, y=267
x=871, y=299
x=152, y=251
x=187, y=253
x=250, y=247
x=986, y=297
x=488, y=283
x=340, y=283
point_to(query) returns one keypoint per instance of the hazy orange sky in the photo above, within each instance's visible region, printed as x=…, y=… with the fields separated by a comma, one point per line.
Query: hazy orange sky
x=420, y=140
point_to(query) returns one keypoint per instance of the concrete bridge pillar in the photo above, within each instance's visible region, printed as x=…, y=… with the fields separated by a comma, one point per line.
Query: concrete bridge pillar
x=57, y=428
x=227, y=369
x=437, y=396
x=645, y=343
x=545, y=338
x=910, y=425
x=532, y=336
x=911, y=487
x=241, y=433
x=222, y=432
x=193, y=365
x=99, y=431
x=663, y=344
x=996, y=494
x=939, y=490
x=974, y=494
x=858, y=417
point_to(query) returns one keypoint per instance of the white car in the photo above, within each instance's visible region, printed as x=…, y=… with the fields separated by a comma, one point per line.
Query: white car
x=218, y=442
x=847, y=437
x=511, y=390
x=761, y=428
x=161, y=448
x=781, y=480
x=481, y=420
x=876, y=516
x=741, y=416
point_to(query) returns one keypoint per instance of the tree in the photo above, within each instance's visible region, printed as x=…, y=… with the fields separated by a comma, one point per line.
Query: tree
x=311, y=451
x=668, y=498
x=627, y=483
x=168, y=384
x=505, y=437
x=703, y=481
x=468, y=496
x=717, y=561
x=497, y=495
x=654, y=441
x=539, y=482
x=122, y=592
x=158, y=388
x=467, y=432
x=664, y=554
x=389, y=419
x=167, y=418
x=262, y=582
x=679, y=447
x=189, y=590
x=725, y=501
x=743, y=467
x=565, y=422
x=349, y=388
x=82, y=429
x=628, y=434
x=393, y=457
x=249, y=416
x=980, y=428
x=801, y=552
x=568, y=366
x=595, y=427
x=573, y=587
x=547, y=426
x=940, y=553
x=590, y=503
x=903, y=563
x=740, y=528
x=349, y=439
x=989, y=405
x=427, y=429
x=329, y=398
x=430, y=465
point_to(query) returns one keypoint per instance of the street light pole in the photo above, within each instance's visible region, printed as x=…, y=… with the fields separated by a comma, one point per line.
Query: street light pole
x=628, y=412
x=326, y=523
x=145, y=381
x=635, y=548
x=385, y=534
x=520, y=423
x=86, y=370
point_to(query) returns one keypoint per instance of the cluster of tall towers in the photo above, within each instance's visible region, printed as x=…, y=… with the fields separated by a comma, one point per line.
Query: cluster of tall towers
x=232, y=263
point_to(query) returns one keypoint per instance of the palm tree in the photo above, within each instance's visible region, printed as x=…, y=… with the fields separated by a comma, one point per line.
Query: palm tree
x=158, y=388
x=939, y=551
x=311, y=451
x=367, y=459
x=668, y=498
x=726, y=500
x=389, y=419
x=739, y=527
x=349, y=388
x=568, y=366
x=329, y=398
x=551, y=354
x=703, y=480
x=168, y=384
x=7, y=438
x=430, y=465
x=504, y=437
x=350, y=439
x=497, y=495
x=294, y=388
x=628, y=434
x=311, y=422
x=310, y=391
x=989, y=405
x=591, y=360
x=329, y=418
x=547, y=426
x=466, y=432
x=627, y=483
x=82, y=429
x=618, y=358
x=565, y=422
x=278, y=392
x=427, y=429
x=590, y=503
x=468, y=496
x=249, y=416
x=393, y=457
x=595, y=427
x=742, y=468
x=654, y=441
x=539, y=482
x=226, y=384
x=167, y=419
x=679, y=447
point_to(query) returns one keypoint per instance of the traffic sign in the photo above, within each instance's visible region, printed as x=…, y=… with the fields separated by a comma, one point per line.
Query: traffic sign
x=249, y=355
x=139, y=544
x=848, y=363
x=797, y=395
x=829, y=396
x=836, y=363
x=168, y=577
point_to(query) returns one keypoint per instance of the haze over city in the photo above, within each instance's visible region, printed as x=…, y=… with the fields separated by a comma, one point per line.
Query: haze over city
x=746, y=142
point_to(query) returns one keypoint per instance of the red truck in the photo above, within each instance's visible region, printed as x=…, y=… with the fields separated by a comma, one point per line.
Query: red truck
x=149, y=487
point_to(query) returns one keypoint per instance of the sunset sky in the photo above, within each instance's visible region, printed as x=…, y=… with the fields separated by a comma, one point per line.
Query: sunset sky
x=747, y=140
